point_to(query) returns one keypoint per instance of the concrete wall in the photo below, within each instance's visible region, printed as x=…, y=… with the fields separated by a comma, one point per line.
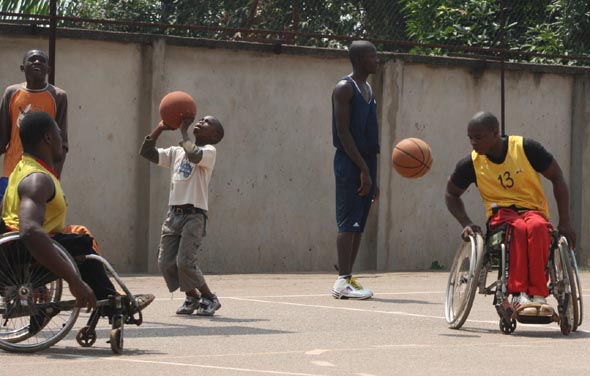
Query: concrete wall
x=272, y=192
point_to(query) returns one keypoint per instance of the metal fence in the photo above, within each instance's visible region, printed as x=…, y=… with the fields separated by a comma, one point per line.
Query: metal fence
x=540, y=31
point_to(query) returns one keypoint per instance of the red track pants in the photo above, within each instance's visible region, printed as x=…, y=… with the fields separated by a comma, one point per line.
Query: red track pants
x=529, y=250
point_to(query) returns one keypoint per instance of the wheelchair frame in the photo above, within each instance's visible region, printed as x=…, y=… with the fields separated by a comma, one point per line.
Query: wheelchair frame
x=36, y=311
x=476, y=258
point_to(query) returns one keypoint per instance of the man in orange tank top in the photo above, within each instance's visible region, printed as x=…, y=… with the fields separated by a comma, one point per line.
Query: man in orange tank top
x=35, y=94
x=507, y=173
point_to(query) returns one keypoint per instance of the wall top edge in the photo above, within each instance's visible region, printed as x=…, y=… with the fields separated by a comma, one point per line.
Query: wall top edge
x=276, y=48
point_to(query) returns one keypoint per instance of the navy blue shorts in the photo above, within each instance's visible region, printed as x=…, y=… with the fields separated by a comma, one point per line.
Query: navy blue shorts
x=352, y=210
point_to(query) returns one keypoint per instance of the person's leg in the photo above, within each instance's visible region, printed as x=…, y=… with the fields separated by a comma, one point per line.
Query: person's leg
x=190, y=275
x=356, y=243
x=539, y=241
x=518, y=269
x=91, y=271
x=351, y=215
x=192, y=280
x=82, y=230
x=169, y=242
x=345, y=248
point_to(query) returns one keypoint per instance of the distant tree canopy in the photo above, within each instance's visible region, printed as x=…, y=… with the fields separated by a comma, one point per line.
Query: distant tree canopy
x=541, y=26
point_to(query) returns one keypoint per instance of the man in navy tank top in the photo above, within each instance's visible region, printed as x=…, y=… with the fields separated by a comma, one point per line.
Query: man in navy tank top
x=355, y=137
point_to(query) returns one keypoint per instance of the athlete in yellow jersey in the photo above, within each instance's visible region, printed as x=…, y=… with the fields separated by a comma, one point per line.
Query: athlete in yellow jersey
x=35, y=206
x=506, y=171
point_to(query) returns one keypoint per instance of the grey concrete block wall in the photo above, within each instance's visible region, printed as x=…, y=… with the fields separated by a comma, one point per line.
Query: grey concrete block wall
x=272, y=192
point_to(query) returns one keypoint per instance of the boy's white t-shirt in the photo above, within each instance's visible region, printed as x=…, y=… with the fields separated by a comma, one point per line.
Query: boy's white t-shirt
x=189, y=183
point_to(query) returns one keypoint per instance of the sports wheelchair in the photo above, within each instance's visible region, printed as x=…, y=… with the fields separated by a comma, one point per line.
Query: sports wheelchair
x=37, y=310
x=476, y=258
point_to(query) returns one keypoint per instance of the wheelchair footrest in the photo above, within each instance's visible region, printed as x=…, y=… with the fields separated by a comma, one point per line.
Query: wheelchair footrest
x=536, y=319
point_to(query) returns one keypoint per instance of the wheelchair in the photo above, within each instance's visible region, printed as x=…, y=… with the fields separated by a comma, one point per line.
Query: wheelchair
x=478, y=257
x=37, y=310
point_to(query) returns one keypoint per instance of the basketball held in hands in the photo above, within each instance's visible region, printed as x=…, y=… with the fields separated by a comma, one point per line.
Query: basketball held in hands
x=174, y=105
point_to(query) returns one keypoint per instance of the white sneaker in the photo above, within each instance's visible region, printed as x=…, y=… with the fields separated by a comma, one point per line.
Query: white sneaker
x=519, y=300
x=343, y=289
x=539, y=299
x=520, y=303
x=546, y=309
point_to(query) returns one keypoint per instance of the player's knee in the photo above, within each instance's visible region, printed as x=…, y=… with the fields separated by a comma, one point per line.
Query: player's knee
x=187, y=262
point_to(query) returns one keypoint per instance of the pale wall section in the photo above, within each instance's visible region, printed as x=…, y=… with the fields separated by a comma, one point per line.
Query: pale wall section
x=271, y=196
x=272, y=192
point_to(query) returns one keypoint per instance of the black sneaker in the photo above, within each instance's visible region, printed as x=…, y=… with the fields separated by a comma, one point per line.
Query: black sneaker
x=189, y=306
x=208, y=306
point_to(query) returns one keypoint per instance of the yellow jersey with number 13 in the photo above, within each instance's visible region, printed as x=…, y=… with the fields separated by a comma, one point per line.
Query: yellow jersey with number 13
x=513, y=182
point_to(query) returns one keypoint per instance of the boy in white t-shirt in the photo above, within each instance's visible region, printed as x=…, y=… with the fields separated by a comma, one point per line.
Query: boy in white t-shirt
x=191, y=166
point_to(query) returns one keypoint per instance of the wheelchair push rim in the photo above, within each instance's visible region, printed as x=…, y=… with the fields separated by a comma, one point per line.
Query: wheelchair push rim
x=462, y=282
x=570, y=299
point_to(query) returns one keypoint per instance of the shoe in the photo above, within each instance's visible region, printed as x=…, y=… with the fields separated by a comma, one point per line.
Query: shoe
x=539, y=299
x=519, y=300
x=521, y=303
x=355, y=283
x=142, y=300
x=208, y=306
x=545, y=309
x=344, y=289
x=189, y=306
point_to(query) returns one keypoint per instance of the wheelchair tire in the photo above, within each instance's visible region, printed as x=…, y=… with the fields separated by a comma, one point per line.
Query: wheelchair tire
x=569, y=300
x=33, y=311
x=463, y=280
x=86, y=336
x=116, y=340
x=507, y=327
x=578, y=287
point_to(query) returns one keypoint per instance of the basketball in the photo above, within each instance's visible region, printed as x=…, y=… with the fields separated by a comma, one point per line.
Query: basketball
x=173, y=105
x=411, y=158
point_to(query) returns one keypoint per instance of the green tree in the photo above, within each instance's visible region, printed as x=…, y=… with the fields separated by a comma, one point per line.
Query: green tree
x=541, y=26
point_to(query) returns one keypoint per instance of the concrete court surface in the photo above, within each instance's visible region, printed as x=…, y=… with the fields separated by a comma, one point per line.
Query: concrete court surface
x=290, y=325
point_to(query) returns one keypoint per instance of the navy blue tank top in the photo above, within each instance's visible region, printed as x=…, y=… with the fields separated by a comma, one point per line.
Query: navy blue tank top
x=363, y=123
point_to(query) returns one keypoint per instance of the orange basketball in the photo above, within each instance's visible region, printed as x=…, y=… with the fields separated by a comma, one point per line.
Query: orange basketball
x=411, y=158
x=173, y=105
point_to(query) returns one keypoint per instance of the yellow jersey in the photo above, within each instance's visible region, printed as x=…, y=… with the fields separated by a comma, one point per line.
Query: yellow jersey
x=513, y=182
x=55, y=211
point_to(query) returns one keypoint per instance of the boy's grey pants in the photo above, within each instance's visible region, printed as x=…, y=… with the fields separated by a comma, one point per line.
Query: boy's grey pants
x=177, y=258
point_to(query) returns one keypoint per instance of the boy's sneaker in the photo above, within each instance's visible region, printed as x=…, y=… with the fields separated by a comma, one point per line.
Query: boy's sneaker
x=546, y=309
x=208, y=306
x=189, y=306
x=344, y=289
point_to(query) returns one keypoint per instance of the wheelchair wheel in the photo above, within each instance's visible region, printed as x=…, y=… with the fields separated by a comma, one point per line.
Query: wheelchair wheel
x=116, y=340
x=463, y=279
x=35, y=310
x=576, y=281
x=568, y=296
x=507, y=327
x=86, y=336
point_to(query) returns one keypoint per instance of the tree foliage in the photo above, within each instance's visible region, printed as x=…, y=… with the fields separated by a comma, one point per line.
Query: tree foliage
x=540, y=26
